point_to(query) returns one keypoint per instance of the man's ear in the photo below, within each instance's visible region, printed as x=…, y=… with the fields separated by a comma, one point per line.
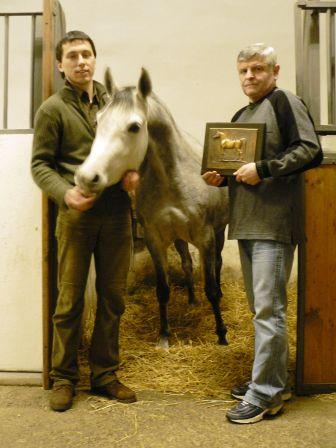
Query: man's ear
x=276, y=70
x=60, y=67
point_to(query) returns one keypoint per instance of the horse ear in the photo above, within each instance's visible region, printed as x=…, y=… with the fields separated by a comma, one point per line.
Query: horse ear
x=145, y=83
x=109, y=83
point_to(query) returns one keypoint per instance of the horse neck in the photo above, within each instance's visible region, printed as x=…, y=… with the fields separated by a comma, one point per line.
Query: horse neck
x=165, y=139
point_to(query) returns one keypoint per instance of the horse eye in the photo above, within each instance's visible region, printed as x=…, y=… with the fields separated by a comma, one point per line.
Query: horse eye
x=134, y=127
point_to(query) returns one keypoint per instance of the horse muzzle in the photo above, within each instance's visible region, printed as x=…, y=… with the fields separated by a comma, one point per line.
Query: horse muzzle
x=89, y=182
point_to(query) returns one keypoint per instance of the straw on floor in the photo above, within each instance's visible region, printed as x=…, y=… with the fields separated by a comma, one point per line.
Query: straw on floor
x=194, y=363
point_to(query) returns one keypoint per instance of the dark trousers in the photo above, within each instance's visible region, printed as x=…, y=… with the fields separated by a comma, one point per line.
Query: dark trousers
x=105, y=233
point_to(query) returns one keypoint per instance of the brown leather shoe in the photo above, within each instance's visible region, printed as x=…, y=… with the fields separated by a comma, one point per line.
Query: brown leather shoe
x=116, y=390
x=61, y=397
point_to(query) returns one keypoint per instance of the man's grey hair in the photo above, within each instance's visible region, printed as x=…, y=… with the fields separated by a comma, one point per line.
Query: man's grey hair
x=259, y=49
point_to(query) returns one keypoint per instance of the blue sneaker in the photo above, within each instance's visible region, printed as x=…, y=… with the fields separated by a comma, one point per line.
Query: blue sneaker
x=249, y=413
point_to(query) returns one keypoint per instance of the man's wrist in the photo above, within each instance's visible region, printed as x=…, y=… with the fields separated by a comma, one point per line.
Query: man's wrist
x=262, y=169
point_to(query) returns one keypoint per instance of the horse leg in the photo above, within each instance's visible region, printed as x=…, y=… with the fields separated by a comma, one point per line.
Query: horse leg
x=159, y=257
x=186, y=260
x=220, y=239
x=212, y=289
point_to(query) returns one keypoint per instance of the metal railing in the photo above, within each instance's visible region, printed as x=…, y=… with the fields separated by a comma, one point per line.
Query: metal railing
x=36, y=51
x=314, y=31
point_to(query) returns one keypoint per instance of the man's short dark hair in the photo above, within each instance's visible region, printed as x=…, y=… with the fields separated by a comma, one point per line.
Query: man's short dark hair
x=69, y=37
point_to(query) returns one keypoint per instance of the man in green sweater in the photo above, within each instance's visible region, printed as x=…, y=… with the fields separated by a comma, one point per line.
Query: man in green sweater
x=87, y=225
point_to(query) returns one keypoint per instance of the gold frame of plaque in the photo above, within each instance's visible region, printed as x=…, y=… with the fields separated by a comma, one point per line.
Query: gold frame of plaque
x=228, y=146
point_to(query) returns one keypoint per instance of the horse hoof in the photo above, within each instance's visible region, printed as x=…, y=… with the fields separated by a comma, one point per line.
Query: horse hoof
x=163, y=344
x=223, y=341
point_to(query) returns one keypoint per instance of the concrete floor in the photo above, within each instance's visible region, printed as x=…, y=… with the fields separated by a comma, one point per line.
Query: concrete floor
x=158, y=420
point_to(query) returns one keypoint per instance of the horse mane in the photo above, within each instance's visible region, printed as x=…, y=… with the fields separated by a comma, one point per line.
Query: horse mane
x=162, y=127
x=159, y=114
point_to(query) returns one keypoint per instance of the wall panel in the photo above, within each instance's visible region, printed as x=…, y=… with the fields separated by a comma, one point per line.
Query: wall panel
x=21, y=258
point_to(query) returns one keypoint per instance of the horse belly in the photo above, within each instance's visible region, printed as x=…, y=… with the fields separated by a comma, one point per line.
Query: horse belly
x=172, y=223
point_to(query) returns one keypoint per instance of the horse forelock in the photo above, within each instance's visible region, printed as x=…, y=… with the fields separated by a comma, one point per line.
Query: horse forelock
x=158, y=113
x=124, y=98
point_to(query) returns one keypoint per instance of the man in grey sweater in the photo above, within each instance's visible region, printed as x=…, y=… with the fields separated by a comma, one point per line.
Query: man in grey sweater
x=87, y=225
x=264, y=202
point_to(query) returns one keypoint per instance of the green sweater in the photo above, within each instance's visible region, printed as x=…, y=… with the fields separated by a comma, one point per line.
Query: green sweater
x=64, y=133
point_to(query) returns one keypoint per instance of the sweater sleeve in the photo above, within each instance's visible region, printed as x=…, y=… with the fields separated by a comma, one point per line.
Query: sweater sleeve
x=301, y=149
x=46, y=142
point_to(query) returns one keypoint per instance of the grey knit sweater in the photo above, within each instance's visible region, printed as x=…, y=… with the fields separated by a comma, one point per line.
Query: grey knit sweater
x=270, y=210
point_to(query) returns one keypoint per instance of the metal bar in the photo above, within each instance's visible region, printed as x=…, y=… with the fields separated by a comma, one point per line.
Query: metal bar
x=6, y=60
x=16, y=131
x=330, y=36
x=5, y=14
x=326, y=129
x=32, y=84
x=311, y=64
x=37, y=69
x=299, y=52
x=321, y=6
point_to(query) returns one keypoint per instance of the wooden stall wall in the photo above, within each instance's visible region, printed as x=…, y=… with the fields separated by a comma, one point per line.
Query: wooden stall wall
x=316, y=363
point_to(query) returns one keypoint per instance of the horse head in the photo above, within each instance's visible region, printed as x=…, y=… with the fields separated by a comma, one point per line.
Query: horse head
x=122, y=136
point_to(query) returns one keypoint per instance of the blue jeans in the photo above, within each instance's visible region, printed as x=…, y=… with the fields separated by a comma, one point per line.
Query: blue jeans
x=266, y=266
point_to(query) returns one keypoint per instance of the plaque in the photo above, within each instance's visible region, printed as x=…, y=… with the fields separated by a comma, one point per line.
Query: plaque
x=228, y=146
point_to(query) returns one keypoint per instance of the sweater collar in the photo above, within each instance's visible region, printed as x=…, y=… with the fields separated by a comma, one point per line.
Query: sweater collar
x=252, y=105
x=70, y=93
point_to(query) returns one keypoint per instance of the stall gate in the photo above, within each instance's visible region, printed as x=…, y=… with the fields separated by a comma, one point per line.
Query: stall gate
x=27, y=76
x=315, y=62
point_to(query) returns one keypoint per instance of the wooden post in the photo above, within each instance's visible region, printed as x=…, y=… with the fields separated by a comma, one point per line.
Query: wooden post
x=51, y=12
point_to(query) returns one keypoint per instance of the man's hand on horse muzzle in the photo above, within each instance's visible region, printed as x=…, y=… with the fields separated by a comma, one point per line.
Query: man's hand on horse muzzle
x=78, y=200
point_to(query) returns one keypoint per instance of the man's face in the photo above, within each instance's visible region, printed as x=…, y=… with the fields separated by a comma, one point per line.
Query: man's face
x=78, y=63
x=257, y=78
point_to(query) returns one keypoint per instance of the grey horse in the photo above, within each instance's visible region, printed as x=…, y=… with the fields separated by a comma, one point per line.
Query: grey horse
x=135, y=131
